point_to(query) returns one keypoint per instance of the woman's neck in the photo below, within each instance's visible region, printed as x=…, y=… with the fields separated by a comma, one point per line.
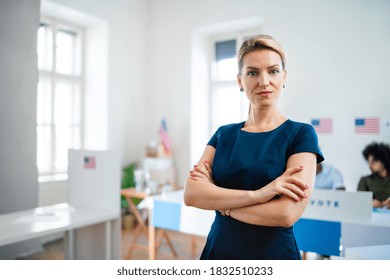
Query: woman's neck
x=263, y=120
x=383, y=173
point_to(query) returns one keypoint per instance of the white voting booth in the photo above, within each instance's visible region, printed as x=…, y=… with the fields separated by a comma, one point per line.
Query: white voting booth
x=94, y=183
x=90, y=218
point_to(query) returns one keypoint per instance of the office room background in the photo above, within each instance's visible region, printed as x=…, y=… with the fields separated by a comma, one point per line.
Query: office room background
x=147, y=59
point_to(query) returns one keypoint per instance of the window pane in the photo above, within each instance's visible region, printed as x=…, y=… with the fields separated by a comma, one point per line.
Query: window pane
x=76, y=105
x=225, y=106
x=227, y=69
x=44, y=155
x=225, y=49
x=61, y=148
x=44, y=101
x=65, y=51
x=45, y=50
x=63, y=104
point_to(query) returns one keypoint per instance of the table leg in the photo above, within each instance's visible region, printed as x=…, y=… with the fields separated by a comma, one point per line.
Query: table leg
x=69, y=244
x=108, y=225
x=152, y=236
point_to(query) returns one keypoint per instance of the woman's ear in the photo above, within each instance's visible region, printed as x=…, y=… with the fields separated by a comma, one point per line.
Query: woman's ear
x=239, y=80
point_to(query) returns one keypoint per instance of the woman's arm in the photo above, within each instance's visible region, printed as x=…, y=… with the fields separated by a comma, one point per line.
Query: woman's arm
x=201, y=192
x=282, y=211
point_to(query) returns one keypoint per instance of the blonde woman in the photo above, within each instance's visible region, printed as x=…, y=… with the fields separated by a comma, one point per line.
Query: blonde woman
x=259, y=174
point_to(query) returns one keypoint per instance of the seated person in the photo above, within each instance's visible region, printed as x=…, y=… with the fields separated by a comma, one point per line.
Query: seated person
x=328, y=178
x=378, y=158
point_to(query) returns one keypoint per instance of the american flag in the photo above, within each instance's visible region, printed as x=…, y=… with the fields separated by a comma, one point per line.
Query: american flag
x=324, y=125
x=367, y=125
x=166, y=142
x=89, y=162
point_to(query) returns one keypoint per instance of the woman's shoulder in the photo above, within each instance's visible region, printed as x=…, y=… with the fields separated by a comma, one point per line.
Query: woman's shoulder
x=233, y=127
x=297, y=125
x=296, y=128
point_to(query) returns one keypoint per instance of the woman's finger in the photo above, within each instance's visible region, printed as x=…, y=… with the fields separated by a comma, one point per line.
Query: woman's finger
x=297, y=182
x=293, y=170
x=294, y=189
x=287, y=192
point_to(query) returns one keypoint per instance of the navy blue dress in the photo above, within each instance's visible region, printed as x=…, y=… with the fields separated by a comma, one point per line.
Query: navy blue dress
x=249, y=161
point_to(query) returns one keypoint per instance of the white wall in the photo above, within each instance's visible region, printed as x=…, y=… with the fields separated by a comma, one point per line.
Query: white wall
x=337, y=66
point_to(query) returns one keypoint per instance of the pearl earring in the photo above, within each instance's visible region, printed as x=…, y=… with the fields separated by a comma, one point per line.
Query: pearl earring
x=241, y=89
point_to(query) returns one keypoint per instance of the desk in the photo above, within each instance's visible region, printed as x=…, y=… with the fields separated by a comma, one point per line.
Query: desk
x=63, y=218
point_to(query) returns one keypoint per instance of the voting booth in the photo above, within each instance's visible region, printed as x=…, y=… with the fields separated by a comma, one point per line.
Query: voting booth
x=90, y=219
x=94, y=183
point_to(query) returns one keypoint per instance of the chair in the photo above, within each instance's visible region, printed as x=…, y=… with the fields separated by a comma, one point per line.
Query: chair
x=142, y=227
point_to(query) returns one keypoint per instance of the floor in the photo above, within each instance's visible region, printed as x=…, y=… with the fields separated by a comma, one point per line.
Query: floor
x=182, y=243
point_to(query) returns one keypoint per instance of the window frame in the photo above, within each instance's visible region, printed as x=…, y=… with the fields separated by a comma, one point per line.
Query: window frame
x=53, y=77
x=214, y=83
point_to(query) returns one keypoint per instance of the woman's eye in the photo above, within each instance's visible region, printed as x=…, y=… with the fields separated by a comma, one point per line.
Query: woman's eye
x=274, y=71
x=252, y=73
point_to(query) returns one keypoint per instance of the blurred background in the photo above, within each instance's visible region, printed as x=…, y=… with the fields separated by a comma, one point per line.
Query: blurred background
x=106, y=75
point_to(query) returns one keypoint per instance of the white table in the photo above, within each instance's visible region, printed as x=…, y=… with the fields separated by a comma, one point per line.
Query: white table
x=378, y=252
x=89, y=233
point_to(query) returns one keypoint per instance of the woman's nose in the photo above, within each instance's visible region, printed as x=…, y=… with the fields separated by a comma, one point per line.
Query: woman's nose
x=263, y=81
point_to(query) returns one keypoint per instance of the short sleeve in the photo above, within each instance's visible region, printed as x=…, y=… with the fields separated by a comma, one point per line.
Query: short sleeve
x=306, y=141
x=362, y=185
x=214, y=139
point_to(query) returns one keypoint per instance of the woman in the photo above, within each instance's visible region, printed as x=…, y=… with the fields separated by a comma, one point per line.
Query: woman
x=258, y=174
x=378, y=157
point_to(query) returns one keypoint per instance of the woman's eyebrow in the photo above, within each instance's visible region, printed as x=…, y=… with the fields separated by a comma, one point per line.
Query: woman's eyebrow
x=255, y=68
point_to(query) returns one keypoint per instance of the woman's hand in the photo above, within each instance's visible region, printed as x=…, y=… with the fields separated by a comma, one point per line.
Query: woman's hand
x=386, y=203
x=202, y=172
x=376, y=203
x=286, y=184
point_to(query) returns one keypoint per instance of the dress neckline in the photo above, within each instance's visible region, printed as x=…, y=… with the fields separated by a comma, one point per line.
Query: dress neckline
x=261, y=132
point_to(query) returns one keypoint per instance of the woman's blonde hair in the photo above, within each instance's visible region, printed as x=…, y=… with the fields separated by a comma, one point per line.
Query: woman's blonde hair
x=260, y=42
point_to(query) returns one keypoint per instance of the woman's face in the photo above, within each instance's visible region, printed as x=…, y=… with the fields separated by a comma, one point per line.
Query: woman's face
x=375, y=166
x=262, y=77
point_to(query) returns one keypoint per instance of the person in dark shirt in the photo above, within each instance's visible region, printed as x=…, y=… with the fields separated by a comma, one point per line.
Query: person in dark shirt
x=257, y=174
x=378, y=158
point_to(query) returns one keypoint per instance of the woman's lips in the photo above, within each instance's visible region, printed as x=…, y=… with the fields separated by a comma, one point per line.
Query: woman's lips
x=265, y=93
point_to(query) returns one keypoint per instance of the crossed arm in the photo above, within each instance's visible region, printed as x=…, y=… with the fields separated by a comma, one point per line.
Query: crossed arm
x=255, y=207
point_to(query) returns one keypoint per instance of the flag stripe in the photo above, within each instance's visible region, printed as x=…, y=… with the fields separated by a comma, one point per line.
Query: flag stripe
x=367, y=125
x=322, y=125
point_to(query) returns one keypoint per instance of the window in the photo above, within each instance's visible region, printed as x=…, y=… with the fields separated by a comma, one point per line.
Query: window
x=59, y=101
x=227, y=103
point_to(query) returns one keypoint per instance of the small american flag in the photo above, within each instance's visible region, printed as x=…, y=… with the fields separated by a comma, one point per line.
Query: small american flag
x=322, y=125
x=367, y=125
x=89, y=162
x=166, y=142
